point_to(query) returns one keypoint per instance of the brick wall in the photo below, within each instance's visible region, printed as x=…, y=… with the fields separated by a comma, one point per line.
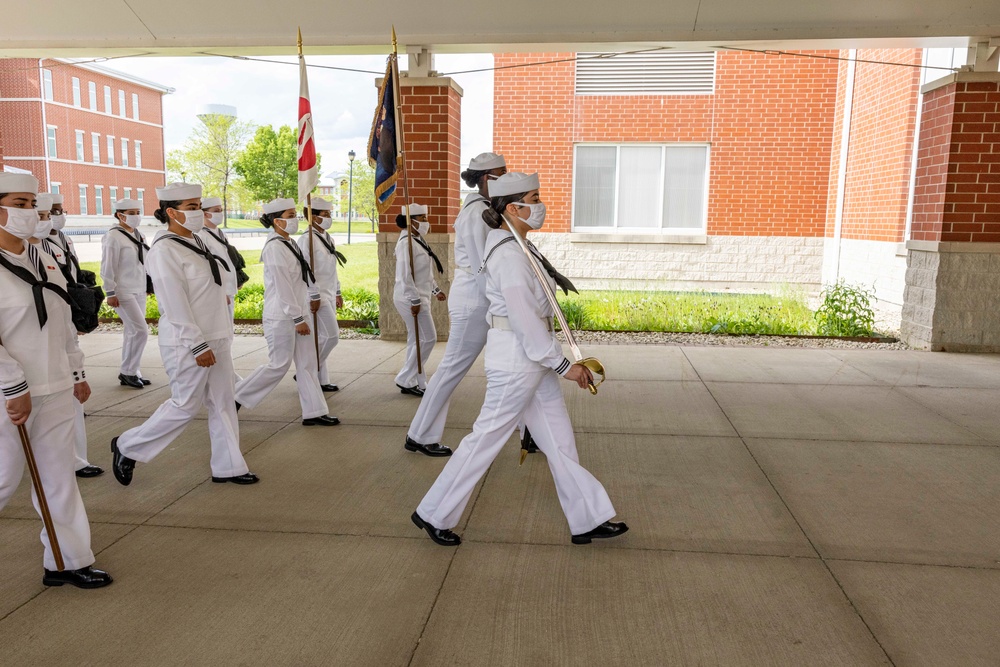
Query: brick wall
x=769, y=125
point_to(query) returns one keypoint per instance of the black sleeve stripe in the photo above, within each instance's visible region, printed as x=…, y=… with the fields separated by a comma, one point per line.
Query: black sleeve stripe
x=16, y=389
x=298, y=320
x=198, y=349
x=563, y=367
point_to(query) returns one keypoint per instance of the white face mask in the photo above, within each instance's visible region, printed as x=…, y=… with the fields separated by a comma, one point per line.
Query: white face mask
x=133, y=221
x=43, y=228
x=325, y=223
x=21, y=222
x=537, y=217
x=423, y=227
x=194, y=221
x=215, y=219
x=290, y=225
x=58, y=221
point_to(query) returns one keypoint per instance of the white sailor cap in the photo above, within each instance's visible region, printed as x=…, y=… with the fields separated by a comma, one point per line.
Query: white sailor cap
x=10, y=182
x=487, y=161
x=320, y=204
x=278, y=205
x=43, y=202
x=178, y=192
x=128, y=204
x=209, y=202
x=513, y=183
x=415, y=210
x=56, y=198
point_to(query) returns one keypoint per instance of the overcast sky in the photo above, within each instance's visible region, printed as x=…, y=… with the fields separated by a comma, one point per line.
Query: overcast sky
x=343, y=103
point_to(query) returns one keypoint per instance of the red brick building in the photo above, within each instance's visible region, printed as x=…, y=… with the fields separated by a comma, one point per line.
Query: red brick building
x=90, y=133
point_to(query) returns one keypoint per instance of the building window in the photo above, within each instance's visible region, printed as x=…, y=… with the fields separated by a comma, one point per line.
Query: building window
x=92, y=90
x=107, y=99
x=55, y=188
x=649, y=73
x=128, y=193
x=111, y=150
x=83, y=200
x=76, y=92
x=139, y=195
x=50, y=133
x=124, y=152
x=114, y=194
x=121, y=103
x=47, y=84
x=640, y=187
x=79, y=146
x=138, y=154
x=135, y=106
x=95, y=146
x=99, y=200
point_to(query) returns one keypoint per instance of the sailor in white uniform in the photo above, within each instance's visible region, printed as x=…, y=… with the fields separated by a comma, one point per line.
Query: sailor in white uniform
x=123, y=271
x=196, y=336
x=216, y=241
x=412, y=296
x=467, y=307
x=324, y=262
x=524, y=362
x=288, y=286
x=48, y=239
x=41, y=375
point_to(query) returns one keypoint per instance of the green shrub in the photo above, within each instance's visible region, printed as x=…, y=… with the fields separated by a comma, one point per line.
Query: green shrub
x=360, y=304
x=846, y=311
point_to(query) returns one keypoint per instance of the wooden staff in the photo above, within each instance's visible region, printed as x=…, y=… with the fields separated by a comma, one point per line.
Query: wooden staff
x=312, y=254
x=401, y=160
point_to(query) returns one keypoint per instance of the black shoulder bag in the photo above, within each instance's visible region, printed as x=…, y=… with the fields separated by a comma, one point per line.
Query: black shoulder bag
x=82, y=300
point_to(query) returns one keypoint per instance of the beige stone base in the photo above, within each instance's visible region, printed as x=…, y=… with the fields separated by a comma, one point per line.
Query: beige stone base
x=390, y=323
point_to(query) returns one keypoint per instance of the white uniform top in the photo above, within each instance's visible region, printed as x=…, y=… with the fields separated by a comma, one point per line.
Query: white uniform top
x=469, y=286
x=425, y=284
x=515, y=293
x=218, y=248
x=324, y=266
x=193, y=308
x=285, y=293
x=42, y=361
x=61, y=247
x=121, y=270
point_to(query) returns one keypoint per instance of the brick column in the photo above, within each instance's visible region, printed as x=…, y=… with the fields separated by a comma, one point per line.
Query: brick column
x=432, y=113
x=952, y=296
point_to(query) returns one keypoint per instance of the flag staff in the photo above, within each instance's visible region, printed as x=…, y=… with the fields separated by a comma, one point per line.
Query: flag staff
x=401, y=162
x=312, y=253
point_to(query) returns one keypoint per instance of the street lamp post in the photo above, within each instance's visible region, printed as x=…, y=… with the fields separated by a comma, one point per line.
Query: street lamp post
x=350, y=196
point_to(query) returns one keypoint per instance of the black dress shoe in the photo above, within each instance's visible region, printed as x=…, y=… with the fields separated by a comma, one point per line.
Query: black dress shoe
x=85, y=577
x=436, y=449
x=324, y=420
x=528, y=443
x=121, y=464
x=238, y=406
x=415, y=390
x=130, y=381
x=329, y=388
x=444, y=537
x=145, y=382
x=246, y=478
x=604, y=531
x=89, y=471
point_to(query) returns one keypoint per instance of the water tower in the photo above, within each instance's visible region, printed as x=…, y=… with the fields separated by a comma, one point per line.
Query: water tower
x=206, y=111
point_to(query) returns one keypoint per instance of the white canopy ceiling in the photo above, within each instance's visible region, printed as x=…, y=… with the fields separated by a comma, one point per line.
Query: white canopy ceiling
x=189, y=27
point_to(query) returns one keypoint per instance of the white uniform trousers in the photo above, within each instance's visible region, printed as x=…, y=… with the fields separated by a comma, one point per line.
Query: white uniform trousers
x=50, y=429
x=132, y=310
x=466, y=339
x=537, y=398
x=284, y=346
x=191, y=388
x=408, y=376
x=79, y=436
x=329, y=336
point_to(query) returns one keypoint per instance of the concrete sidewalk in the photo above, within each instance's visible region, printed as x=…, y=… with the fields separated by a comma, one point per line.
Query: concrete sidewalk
x=788, y=507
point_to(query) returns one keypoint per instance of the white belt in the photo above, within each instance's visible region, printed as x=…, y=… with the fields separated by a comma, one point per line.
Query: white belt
x=502, y=323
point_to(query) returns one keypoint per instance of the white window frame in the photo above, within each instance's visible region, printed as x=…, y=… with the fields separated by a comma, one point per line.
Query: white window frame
x=108, y=106
x=98, y=200
x=140, y=192
x=651, y=231
x=92, y=95
x=113, y=191
x=82, y=189
x=80, y=154
x=135, y=106
x=95, y=147
x=124, y=152
x=51, y=141
x=47, y=92
x=138, y=154
x=76, y=92
x=121, y=103
x=54, y=187
x=128, y=193
x=111, y=150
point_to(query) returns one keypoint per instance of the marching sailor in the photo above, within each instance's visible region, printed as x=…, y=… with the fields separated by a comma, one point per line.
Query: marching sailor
x=288, y=286
x=467, y=310
x=41, y=374
x=412, y=297
x=524, y=362
x=48, y=239
x=196, y=336
x=324, y=263
x=216, y=241
x=123, y=271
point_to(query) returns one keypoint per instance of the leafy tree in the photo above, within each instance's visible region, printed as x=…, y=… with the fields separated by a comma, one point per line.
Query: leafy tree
x=269, y=165
x=364, y=192
x=209, y=157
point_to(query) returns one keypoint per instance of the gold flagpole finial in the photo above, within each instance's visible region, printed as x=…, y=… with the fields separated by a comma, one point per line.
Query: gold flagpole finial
x=300, y=42
x=394, y=39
